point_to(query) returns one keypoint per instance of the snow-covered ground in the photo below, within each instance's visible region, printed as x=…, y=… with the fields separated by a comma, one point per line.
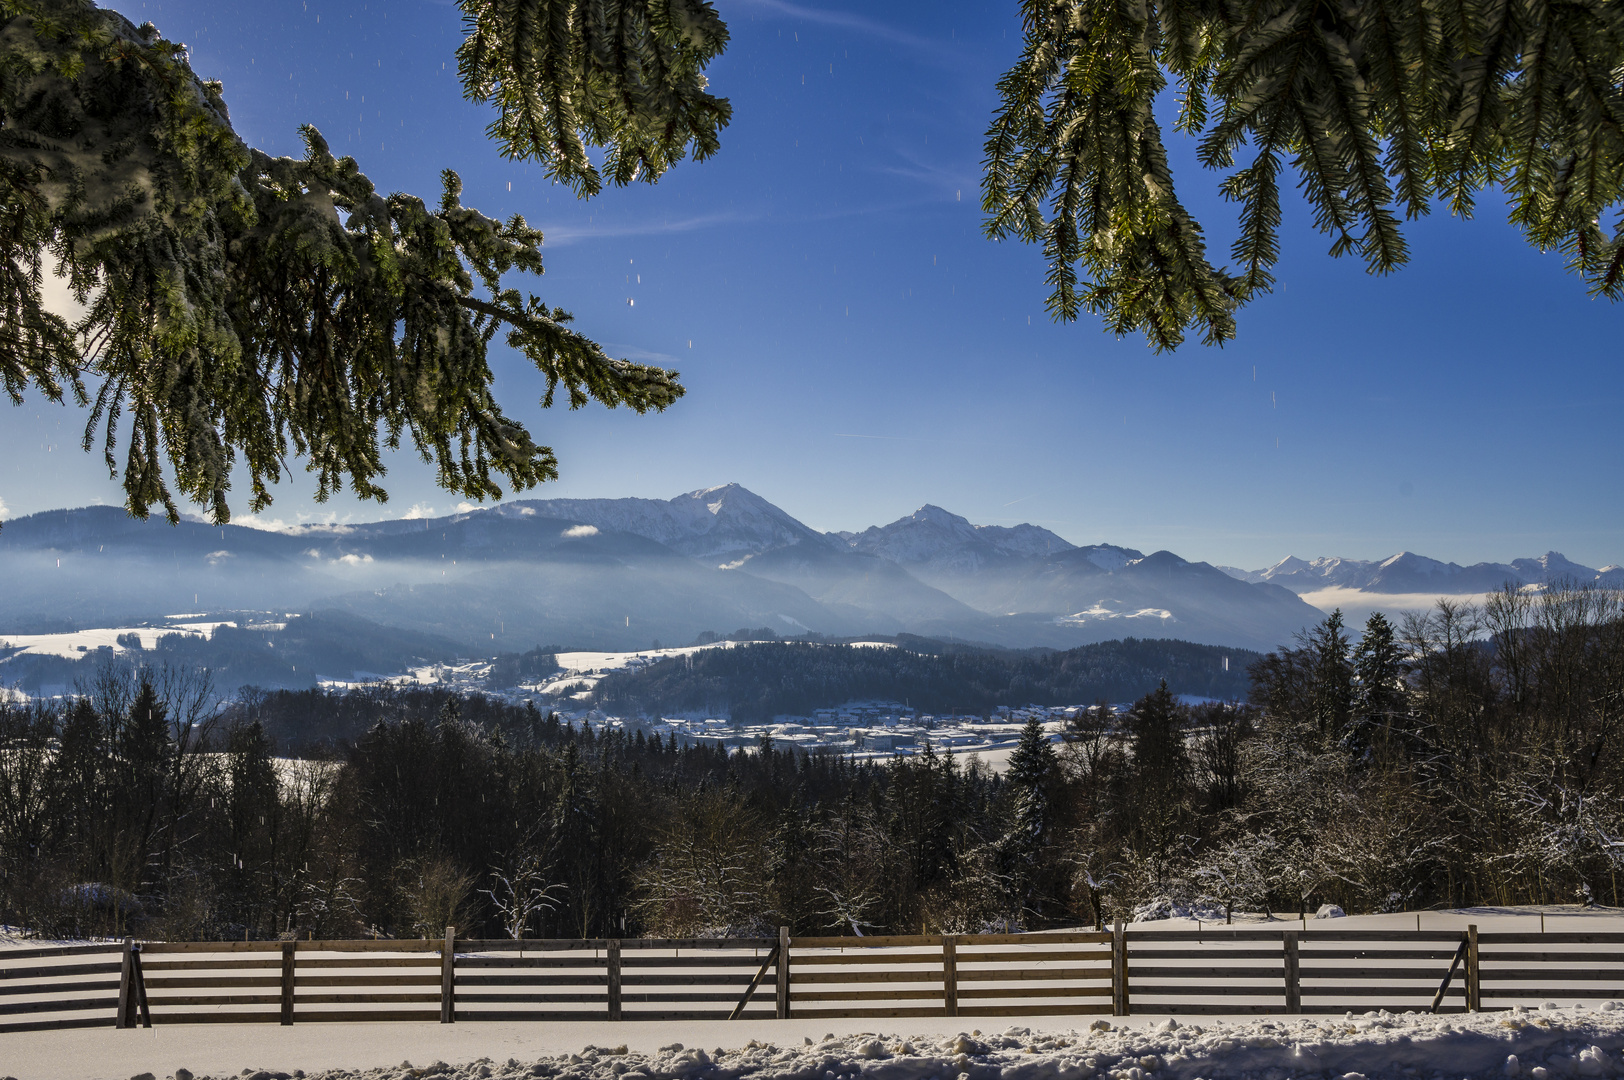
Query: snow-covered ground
x=78, y=642
x=1546, y=1044
x=1547, y=1040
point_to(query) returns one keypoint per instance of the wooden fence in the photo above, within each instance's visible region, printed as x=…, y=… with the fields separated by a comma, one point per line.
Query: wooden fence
x=1215, y=970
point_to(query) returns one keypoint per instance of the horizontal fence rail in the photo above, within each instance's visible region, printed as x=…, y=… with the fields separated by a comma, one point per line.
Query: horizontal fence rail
x=1211, y=970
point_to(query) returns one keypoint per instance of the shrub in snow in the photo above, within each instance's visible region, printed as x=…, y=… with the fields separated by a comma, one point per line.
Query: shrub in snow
x=1329, y=911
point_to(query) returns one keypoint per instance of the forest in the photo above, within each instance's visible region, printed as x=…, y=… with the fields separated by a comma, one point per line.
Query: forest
x=794, y=678
x=1466, y=755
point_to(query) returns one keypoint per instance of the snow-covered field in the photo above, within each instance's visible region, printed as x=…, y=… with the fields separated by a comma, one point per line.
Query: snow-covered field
x=1549, y=1044
x=78, y=642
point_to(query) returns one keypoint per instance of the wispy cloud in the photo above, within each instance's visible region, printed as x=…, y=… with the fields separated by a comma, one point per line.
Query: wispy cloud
x=936, y=50
x=562, y=235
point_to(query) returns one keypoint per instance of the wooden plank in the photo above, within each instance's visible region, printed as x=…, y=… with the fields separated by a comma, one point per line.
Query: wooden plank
x=865, y=995
x=1100, y=956
x=646, y=999
x=613, y=955
x=1543, y=974
x=1036, y=992
x=306, y=1000
x=448, y=977
x=55, y=971
x=1194, y=972
x=1499, y=957
x=140, y=987
x=588, y=999
x=1423, y=991
x=533, y=944
x=125, y=987
x=366, y=980
x=1474, y=986
x=1372, y=973
x=533, y=980
x=534, y=962
x=1587, y=938
x=20, y=1008
x=195, y=982
x=54, y=951
x=798, y=978
x=743, y=960
x=1415, y=955
x=950, y=975
x=234, y=965
x=880, y=941
x=169, y=1001
x=1086, y=937
x=428, y=962
x=1119, y=970
x=1294, y=996
x=700, y=943
x=1218, y=934
x=306, y=1016
x=287, y=984
x=685, y=980
x=694, y=1014
x=827, y=959
x=1269, y=990
x=1036, y=1010
x=782, y=970
x=55, y=1025
x=22, y=989
x=1205, y=952
x=864, y=1014
x=755, y=981
x=155, y=947
x=536, y=1015
x=1587, y=993
x=1021, y=974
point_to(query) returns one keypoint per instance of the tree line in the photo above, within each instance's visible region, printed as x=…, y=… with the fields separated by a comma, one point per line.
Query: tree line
x=795, y=678
x=1464, y=755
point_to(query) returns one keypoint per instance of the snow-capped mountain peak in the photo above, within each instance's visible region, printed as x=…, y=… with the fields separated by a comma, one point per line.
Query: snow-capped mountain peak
x=940, y=538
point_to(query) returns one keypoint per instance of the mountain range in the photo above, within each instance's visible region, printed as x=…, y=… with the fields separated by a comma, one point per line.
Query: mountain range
x=1408, y=572
x=621, y=574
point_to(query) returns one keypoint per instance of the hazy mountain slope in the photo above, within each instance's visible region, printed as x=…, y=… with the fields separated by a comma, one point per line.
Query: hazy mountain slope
x=621, y=573
x=934, y=539
x=878, y=588
x=723, y=522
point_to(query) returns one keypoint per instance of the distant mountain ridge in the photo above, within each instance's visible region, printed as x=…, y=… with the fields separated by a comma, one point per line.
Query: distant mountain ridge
x=1408, y=572
x=623, y=573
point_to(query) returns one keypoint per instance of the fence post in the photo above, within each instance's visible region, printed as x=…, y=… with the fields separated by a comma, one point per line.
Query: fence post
x=950, y=974
x=448, y=977
x=613, y=956
x=139, y=983
x=1119, y=970
x=287, y=983
x=1474, y=991
x=1294, y=986
x=783, y=973
x=126, y=1000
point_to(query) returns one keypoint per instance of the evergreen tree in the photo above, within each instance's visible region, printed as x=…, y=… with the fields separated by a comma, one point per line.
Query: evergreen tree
x=240, y=305
x=1378, y=666
x=1381, y=110
x=1332, y=695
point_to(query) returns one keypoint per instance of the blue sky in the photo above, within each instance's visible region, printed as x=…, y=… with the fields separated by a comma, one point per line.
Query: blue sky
x=854, y=347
